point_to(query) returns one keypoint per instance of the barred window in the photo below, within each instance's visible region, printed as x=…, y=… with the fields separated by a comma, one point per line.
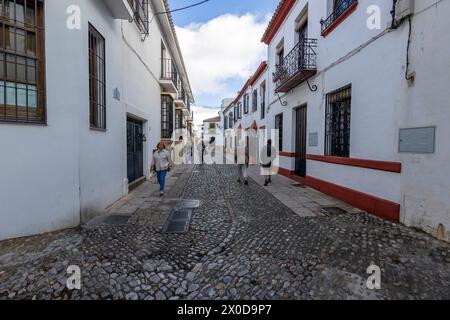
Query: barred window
x=255, y=101
x=230, y=120
x=22, y=61
x=140, y=9
x=166, y=116
x=338, y=116
x=178, y=119
x=279, y=127
x=246, y=103
x=225, y=122
x=97, y=79
x=262, y=92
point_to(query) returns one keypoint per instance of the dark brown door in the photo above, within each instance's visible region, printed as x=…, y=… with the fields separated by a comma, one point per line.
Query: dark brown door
x=135, y=150
x=300, y=158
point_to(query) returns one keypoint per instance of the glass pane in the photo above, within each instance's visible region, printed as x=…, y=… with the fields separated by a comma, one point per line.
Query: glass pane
x=31, y=70
x=20, y=11
x=2, y=42
x=2, y=65
x=31, y=43
x=21, y=95
x=10, y=39
x=11, y=93
x=31, y=13
x=32, y=97
x=21, y=75
x=2, y=92
x=20, y=40
x=10, y=66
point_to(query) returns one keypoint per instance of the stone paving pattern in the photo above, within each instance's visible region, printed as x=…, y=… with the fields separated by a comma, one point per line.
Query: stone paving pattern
x=243, y=243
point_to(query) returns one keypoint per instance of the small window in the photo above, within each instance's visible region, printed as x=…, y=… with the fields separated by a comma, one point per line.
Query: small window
x=97, y=88
x=255, y=101
x=246, y=103
x=338, y=116
x=166, y=117
x=22, y=62
x=279, y=127
x=262, y=92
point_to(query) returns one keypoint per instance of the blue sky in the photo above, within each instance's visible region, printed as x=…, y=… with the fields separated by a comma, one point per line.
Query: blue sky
x=215, y=8
x=221, y=44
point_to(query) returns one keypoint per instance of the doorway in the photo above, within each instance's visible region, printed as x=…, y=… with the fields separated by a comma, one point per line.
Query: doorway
x=300, y=141
x=135, y=150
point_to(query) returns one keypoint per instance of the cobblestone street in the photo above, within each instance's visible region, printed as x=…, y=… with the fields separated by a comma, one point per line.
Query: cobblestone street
x=240, y=245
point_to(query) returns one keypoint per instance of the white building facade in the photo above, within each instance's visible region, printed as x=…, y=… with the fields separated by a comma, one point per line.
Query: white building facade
x=357, y=90
x=80, y=122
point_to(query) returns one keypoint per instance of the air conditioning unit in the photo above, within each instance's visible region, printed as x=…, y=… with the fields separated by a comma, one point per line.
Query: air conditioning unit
x=404, y=9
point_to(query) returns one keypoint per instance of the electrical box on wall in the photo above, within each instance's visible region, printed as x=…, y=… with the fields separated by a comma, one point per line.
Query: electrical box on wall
x=404, y=9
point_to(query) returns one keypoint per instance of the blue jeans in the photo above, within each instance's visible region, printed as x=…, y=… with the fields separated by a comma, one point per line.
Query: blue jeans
x=161, y=175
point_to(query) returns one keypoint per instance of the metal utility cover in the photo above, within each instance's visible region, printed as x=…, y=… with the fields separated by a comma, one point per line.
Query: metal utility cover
x=188, y=204
x=333, y=210
x=313, y=139
x=178, y=221
x=117, y=219
x=298, y=185
x=417, y=140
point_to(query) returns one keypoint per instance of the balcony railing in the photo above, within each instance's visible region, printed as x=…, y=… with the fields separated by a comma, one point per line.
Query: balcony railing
x=340, y=7
x=297, y=66
x=169, y=71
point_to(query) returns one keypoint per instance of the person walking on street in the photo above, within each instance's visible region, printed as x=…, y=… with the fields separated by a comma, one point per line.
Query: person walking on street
x=268, y=155
x=161, y=165
x=243, y=167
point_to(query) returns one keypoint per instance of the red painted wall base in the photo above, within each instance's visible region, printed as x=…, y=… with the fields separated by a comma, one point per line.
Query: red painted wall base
x=380, y=207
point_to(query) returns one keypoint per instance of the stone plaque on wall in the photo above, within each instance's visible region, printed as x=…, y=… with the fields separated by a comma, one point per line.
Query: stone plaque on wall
x=417, y=140
x=313, y=139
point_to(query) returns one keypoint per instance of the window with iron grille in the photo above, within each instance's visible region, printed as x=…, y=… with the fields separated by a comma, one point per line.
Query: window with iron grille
x=97, y=89
x=231, y=120
x=279, y=127
x=255, y=101
x=140, y=10
x=337, y=126
x=166, y=117
x=178, y=119
x=246, y=103
x=22, y=61
x=225, y=122
x=262, y=92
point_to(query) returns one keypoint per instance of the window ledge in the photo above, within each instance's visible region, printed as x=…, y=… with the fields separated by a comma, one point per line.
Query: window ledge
x=24, y=123
x=340, y=19
x=97, y=129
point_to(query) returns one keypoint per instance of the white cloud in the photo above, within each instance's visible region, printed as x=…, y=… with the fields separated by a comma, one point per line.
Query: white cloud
x=202, y=113
x=224, y=48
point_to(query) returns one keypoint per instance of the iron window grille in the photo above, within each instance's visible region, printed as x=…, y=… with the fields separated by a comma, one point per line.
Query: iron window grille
x=230, y=119
x=169, y=71
x=279, y=127
x=22, y=61
x=140, y=15
x=337, y=122
x=263, y=101
x=225, y=122
x=178, y=119
x=339, y=7
x=246, y=103
x=301, y=58
x=97, y=79
x=255, y=101
x=166, y=116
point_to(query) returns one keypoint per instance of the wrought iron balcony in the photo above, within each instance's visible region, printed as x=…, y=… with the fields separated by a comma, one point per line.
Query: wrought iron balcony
x=341, y=9
x=299, y=65
x=169, y=76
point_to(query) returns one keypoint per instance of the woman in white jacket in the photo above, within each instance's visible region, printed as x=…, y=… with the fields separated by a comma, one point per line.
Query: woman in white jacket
x=161, y=165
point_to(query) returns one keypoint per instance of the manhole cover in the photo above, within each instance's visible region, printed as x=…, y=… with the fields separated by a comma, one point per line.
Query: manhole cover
x=333, y=210
x=188, y=204
x=117, y=219
x=180, y=215
x=176, y=227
